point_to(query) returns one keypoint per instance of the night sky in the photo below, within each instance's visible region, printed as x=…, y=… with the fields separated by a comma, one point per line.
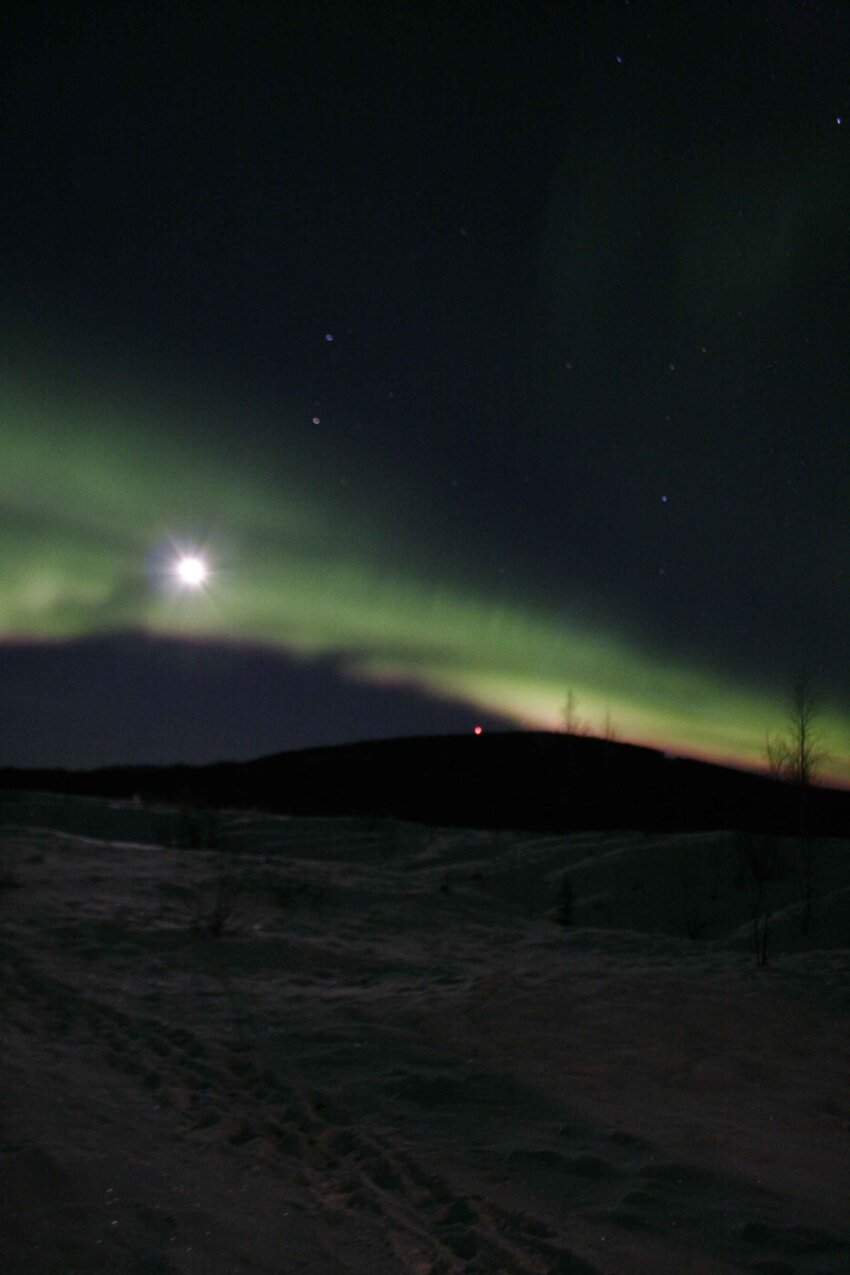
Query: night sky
x=481, y=354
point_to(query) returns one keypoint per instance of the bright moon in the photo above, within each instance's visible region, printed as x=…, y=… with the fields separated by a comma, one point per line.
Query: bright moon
x=192, y=571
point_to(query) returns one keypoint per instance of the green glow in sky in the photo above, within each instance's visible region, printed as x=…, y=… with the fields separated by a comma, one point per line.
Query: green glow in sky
x=96, y=501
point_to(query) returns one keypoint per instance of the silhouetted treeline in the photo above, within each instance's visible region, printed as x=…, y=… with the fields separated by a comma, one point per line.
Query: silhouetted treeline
x=526, y=780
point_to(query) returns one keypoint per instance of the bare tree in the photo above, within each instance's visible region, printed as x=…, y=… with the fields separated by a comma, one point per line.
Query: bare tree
x=795, y=758
x=796, y=755
x=758, y=858
x=573, y=723
x=609, y=730
x=570, y=716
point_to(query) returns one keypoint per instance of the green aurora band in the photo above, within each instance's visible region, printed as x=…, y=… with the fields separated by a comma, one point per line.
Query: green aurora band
x=91, y=490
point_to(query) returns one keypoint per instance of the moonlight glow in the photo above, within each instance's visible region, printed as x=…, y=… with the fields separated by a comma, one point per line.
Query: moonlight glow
x=192, y=571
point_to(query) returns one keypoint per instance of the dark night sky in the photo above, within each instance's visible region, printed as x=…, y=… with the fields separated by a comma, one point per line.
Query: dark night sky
x=582, y=419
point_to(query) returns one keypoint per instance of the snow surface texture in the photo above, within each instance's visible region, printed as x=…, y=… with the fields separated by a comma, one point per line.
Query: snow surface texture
x=233, y=1043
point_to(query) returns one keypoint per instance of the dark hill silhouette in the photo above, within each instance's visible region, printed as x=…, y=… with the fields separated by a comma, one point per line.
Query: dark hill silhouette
x=527, y=780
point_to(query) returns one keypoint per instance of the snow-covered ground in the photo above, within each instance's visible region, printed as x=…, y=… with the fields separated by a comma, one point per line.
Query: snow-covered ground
x=338, y=1046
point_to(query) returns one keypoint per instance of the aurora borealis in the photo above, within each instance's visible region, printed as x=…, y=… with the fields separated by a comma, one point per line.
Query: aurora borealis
x=486, y=357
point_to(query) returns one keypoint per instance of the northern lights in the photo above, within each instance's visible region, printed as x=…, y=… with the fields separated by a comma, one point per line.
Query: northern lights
x=123, y=495
x=487, y=359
